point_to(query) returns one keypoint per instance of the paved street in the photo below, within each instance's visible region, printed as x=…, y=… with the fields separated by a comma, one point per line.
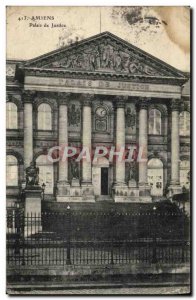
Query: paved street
x=112, y=291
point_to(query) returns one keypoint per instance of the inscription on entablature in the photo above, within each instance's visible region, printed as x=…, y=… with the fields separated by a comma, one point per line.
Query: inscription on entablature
x=103, y=84
x=14, y=143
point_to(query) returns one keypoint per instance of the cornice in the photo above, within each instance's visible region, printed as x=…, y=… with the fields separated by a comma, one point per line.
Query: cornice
x=60, y=73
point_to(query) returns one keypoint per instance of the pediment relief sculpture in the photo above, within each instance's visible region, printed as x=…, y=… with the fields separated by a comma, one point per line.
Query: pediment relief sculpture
x=102, y=54
x=104, y=57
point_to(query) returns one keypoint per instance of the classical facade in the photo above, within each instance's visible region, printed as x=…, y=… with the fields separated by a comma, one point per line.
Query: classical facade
x=99, y=92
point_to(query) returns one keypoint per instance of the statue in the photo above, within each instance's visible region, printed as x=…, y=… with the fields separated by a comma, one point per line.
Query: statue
x=132, y=171
x=130, y=118
x=32, y=174
x=74, y=169
x=74, y=115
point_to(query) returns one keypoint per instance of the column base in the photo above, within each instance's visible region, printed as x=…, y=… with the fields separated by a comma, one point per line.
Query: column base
x=123, y=193
x=75, y=192
x=131, y=193
x=144, y=192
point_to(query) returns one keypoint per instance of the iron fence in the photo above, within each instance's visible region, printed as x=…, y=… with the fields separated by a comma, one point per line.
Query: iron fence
x=97, y=238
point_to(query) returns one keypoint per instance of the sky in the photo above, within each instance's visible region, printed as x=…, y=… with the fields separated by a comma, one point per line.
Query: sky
x=164, y=32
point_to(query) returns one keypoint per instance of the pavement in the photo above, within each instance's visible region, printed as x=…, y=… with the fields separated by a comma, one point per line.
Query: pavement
x=174, y=290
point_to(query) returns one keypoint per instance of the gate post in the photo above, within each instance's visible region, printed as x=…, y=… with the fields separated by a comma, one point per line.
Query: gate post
x=112, y=238
x=18, y=228
x=68, y=259
x=184, y=235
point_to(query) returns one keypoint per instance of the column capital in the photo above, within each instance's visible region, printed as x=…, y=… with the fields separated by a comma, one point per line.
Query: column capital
x=28, y=96
x=175, y=104
x=120, y=101
x=63, y=98
x=143, y=103
x=87, y=99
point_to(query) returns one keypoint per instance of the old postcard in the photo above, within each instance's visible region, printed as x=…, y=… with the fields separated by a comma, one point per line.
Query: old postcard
x=98, y=150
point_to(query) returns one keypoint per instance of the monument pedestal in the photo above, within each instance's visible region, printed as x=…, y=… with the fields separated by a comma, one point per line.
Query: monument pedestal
x=63, y=191
x=87, y=192
x=75, y=190
x=32, y=210
x=132, y=183
x=144, y=193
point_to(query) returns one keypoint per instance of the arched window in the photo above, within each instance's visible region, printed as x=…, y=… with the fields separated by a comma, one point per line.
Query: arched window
x=11, y=170
x=44, y=117
x=185, y=173
x=11, y=116
x=45, y=173
x=155, y=176
x=154, y=126
x=185, y=123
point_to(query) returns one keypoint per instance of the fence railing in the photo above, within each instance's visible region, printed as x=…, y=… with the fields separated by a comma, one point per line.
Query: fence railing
x=97, y=238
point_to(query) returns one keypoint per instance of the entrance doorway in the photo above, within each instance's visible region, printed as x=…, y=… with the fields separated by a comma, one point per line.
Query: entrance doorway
x=102, y=176
x=104, y=181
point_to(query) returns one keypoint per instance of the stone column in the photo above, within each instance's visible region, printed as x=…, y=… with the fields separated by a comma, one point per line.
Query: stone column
x=87, y=187
x=86, y=138
x=120, y=140
x=143, y=141
x=28, y=127
x=63, y=137
x=63, y=185
x=175, y=148
x=144, y=189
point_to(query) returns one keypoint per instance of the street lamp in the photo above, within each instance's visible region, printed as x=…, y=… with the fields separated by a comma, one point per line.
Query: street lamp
x=154, y=244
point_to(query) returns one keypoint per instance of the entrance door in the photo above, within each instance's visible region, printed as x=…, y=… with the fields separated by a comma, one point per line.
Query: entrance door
x=104, y=181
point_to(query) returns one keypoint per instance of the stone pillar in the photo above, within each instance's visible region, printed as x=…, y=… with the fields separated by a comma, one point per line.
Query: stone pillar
x=63, y=184
x=88, y=191
x=144, y=189
x=86, y=138
x=32, y=210
x=120, y=188
x=28, y=128
x=120, y=140
x=175, y=149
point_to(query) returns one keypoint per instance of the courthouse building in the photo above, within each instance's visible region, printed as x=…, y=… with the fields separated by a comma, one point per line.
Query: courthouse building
x=101, y=91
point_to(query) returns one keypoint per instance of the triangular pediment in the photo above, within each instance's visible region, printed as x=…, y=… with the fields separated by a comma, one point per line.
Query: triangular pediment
x=105, y=53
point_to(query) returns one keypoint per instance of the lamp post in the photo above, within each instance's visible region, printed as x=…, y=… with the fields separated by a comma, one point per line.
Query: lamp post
x=154, y=256
x=68, y=260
